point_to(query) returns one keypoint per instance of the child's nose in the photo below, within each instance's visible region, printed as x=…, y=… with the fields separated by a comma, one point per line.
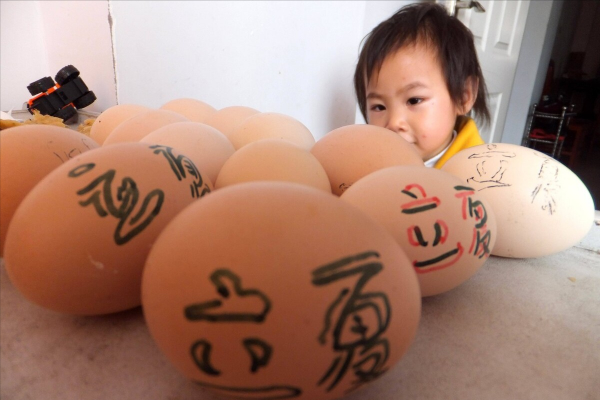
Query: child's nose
x=397, y=122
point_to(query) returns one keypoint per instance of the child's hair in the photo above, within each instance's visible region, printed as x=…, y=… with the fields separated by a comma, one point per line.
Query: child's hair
x=429, y=24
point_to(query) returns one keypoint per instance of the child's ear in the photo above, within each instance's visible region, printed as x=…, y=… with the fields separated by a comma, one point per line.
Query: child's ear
x=469, y=95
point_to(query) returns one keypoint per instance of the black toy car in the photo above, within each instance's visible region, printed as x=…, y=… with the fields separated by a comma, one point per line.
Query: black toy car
x=60, y=99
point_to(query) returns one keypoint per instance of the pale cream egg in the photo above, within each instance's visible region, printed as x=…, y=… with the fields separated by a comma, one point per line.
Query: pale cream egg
x=541, y=206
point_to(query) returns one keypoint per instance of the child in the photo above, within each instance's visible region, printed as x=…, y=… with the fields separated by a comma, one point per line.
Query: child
x=418, y=75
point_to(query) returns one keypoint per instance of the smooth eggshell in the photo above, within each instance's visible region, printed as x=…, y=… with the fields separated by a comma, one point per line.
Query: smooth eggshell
x=141, y=125
x=541, y=206
x=260, y=288
x=112, y=117
x=227, y=119
x=79, y=240
x=271, y=126
x=273, y=160
x=204, y=145
x=445, y=228
x=28, y=154
x=193, y=109
x=353, y=151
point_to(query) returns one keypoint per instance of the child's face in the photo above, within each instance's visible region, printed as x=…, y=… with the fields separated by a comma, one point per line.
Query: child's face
x=409, y=96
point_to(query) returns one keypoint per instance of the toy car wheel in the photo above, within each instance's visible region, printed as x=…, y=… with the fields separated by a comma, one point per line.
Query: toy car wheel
x=85, y=100
x=66, y=74
x=68, y=114
x=41, y=85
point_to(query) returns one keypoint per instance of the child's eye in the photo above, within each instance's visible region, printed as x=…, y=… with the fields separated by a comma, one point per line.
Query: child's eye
x=414, y=101
x=377, y=107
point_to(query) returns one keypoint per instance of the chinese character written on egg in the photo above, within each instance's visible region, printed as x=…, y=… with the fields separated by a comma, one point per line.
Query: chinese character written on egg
x=490, y=168
x=119, y=203
x=475, y=210
x=356, y=320
x=235, y=304
x=440, y=255
x=182, y=167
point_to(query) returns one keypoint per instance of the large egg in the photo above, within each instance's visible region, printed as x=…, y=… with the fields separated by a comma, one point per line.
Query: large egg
x=227, y=119
x=112, y=117
x=446, y=229
x=541, y=206
x=204, y=145
x=273, y=160
x=193, y=109
x=141, y=125
x=279, y=290
x=353, y=151
x=271, y=126
x=27, y=154
x=78, y=242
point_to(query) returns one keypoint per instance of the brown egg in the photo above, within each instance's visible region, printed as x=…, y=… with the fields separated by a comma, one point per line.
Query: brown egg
x=78, y=242
x=227, y=119
x=193, y=109
x=272, y=126
x=29, y=153
x=110, y=118
x=204, y=145
x=445, y=227
x=353, y=151
x=279, y=290
x=139, y=126
x=542, y=207
x=273, y=160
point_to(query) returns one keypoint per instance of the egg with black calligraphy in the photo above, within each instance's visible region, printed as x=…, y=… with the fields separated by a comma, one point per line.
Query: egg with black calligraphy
x=279, y=290
x=28, y=154
x=445, y=228
x=542, y=207
x=78, y=242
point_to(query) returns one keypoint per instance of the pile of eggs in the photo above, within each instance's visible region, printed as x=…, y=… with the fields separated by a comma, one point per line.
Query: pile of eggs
x=268, y=264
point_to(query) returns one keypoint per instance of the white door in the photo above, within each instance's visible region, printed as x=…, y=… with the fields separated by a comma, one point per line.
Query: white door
x=498, y=34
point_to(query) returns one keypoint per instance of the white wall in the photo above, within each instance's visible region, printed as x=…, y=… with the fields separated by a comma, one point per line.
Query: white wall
x=295, y=58
x=40, y=37
x=23, y=56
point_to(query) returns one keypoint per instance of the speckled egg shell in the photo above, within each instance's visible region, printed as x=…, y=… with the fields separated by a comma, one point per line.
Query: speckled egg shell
x=227, y=119
x=112, y=117
x=353, y=151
